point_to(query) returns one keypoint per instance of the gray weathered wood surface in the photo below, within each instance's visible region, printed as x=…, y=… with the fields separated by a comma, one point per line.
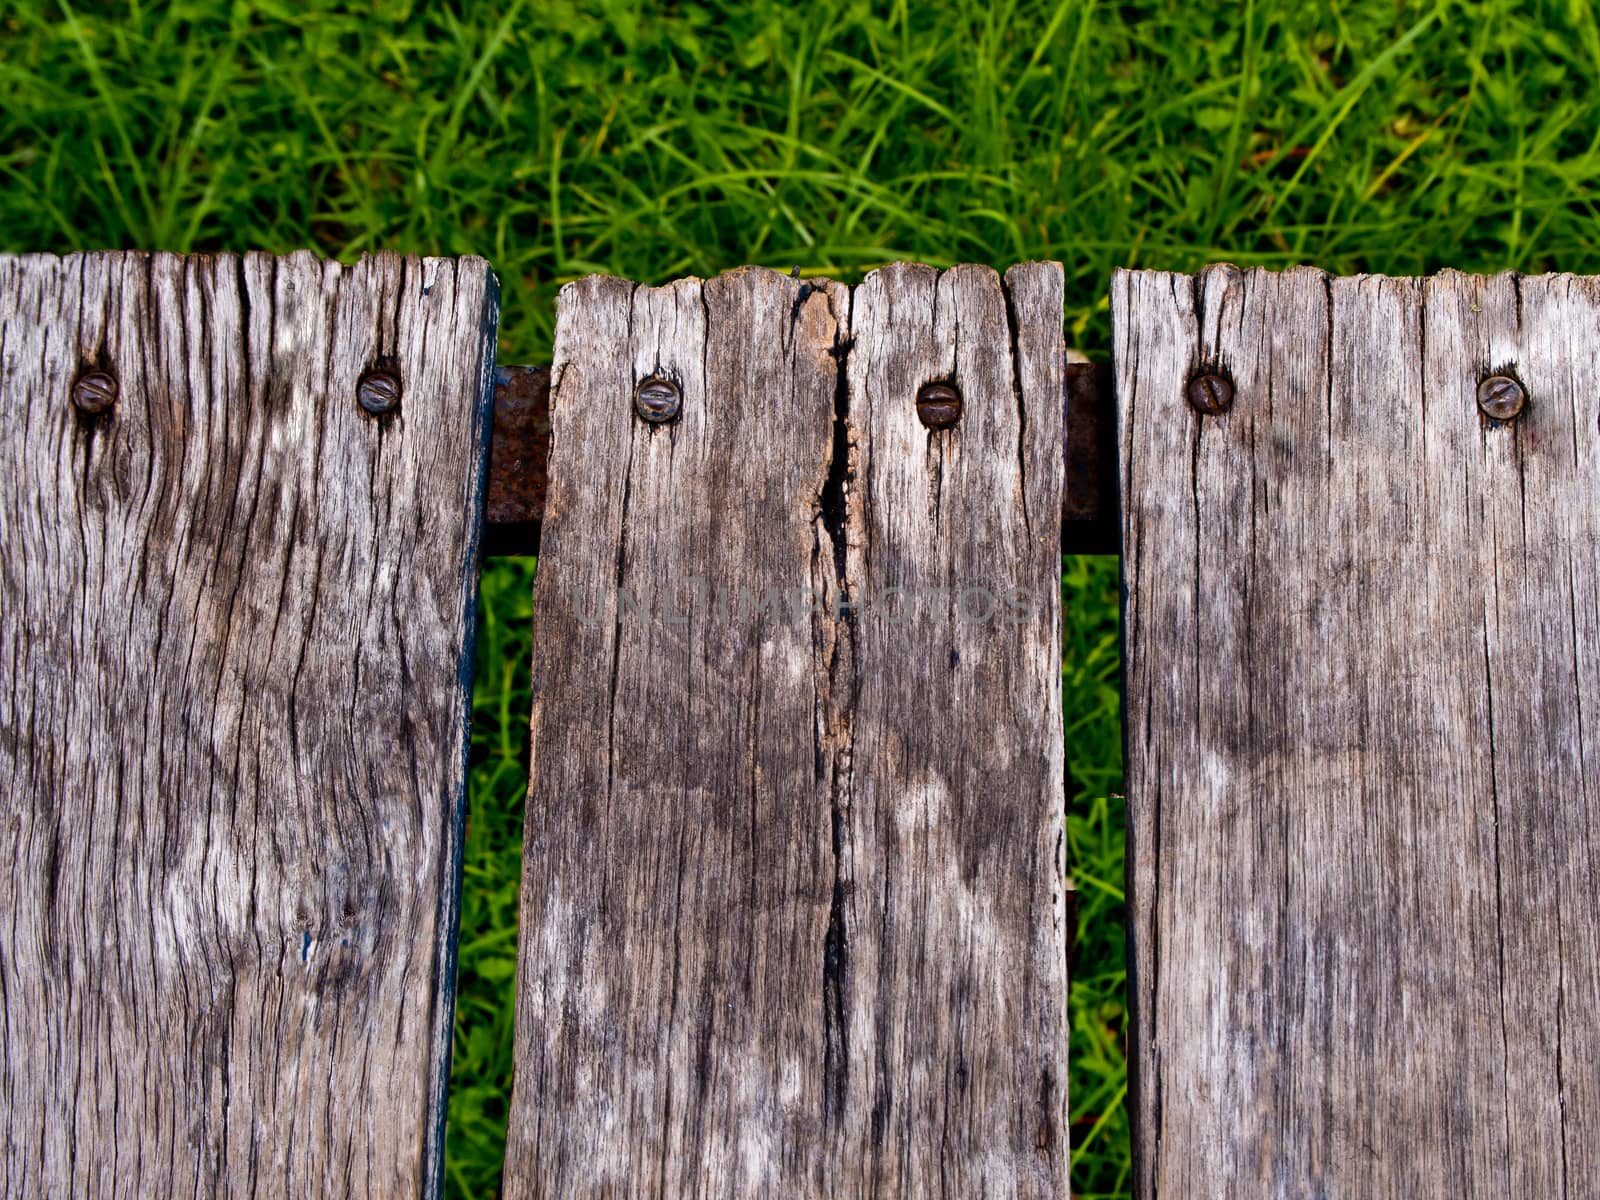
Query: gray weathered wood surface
x=234, y=620
x=793, y=912
x=1363, y=631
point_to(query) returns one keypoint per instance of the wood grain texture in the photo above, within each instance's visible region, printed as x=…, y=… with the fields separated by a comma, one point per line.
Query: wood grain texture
x=793, y=913
x=235, y=619
x=1363, y=637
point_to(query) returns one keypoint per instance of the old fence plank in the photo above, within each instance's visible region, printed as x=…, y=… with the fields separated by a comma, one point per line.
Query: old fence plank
x=793, y=911
x=234, y=615
x=1363, y=631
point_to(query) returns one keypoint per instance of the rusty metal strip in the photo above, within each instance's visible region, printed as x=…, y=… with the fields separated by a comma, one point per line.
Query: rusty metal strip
x=519, y=458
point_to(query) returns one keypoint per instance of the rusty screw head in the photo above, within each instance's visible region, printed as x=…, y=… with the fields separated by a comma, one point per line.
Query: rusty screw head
x=94, y=392
x=657, y=400
x=1501, y=397
x=938, y=405
x=379, y=392
x=1210, y=393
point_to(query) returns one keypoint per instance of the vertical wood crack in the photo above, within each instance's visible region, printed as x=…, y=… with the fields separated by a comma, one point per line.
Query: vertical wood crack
x=1012, y=326
x=834, y=509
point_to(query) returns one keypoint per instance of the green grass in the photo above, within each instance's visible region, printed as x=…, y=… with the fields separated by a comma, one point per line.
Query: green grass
x=557, y=139
x=491, y=862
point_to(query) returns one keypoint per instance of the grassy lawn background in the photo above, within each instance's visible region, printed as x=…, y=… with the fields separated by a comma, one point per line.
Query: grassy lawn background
x=558, y=139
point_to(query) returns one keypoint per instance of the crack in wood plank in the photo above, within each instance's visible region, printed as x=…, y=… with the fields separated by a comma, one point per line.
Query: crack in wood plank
x=814, y=943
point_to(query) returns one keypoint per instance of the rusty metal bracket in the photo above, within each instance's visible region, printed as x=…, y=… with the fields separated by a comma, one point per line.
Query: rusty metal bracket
x=519, y=461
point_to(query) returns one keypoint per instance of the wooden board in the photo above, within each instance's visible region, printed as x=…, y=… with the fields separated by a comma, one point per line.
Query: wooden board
x=793, y=904
x=1363, y=638
x=235, y=618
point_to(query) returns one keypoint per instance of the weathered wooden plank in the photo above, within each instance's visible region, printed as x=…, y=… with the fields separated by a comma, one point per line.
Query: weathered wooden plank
x=519, y=462
x=955, y=838
x=1362, y=626
x=793, y=913
x=235, y=617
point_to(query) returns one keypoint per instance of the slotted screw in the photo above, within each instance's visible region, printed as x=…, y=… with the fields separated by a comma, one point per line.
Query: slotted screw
x=379, y=392
x=1501, y=397
x=1210, y=393
x=94, y=392
x=657, y=400
x=938, y=405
